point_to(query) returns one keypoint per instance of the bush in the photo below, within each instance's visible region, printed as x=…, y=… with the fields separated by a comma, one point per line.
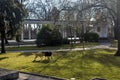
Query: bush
x=18, y=38
x=44, y=36
x=91, y=37
x=65, y=41
x=47, y=36
x=56, y=37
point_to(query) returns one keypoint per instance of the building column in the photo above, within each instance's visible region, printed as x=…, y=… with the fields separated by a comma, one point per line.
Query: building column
x=37, y=28
x=22, y=32
x=29, y=29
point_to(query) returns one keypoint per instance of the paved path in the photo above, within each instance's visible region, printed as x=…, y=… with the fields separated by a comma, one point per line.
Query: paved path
x=105, y=46
x=13, y=43
x=30, y=76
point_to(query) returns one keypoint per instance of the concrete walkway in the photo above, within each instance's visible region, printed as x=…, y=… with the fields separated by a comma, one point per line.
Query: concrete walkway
x=30, y=76
x=101, y=46
x=13, y=43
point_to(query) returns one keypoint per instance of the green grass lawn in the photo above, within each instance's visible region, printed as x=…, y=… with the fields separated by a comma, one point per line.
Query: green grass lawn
x=80, y=45
x=78, y=64
x=114, y=43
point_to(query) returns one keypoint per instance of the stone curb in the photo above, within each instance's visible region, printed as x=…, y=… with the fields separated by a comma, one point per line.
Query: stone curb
x=45, y=76
x=8, y=74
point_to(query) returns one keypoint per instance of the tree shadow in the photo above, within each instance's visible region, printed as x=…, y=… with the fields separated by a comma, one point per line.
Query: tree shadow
x=36, y=61
x=2, y=58
x=104, y=59
x=109, y=59
x=58, y=56
x=45, y=61
x=26, y=54
x=42, y=61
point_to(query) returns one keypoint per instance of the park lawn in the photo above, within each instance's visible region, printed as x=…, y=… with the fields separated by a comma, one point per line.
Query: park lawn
x=114, y=43
x=78, y=64
x=80, y=45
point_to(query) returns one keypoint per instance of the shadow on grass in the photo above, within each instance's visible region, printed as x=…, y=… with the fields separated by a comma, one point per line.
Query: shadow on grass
x=42, y=61
x=26, y=54
x=102, y=58
x=2, y=58
x=57, y=56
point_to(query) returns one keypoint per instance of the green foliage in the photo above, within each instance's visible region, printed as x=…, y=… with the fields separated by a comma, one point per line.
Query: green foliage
x=44, y=36
x=18, y=38
x=49, y=37
x=66, y=41
x=13, y=15
x=56, y=37
x=91, y=37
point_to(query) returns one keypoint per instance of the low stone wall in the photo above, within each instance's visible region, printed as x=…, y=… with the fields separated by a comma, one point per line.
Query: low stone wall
x=33, y=76
x=8, y=74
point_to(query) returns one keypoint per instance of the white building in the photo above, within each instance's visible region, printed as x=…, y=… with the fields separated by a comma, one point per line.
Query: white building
x=31, y=27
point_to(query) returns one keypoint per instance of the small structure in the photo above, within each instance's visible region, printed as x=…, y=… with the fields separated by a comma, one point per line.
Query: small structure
x=8, y=74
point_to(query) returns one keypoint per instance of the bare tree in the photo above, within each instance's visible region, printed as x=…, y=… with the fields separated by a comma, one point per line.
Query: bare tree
x=42, y=9
x=84, y=9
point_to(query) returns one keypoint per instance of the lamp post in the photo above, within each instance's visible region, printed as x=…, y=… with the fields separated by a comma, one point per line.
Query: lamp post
x=82, y=33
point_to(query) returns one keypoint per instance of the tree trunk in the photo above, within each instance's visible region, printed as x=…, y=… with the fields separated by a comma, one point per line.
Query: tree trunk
x=3, y=42
x=117, y=28
x=6, y=41
x=2, y=39
x=118, y=50
x=117, y=36
x=71, y=40
x=2, y=31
